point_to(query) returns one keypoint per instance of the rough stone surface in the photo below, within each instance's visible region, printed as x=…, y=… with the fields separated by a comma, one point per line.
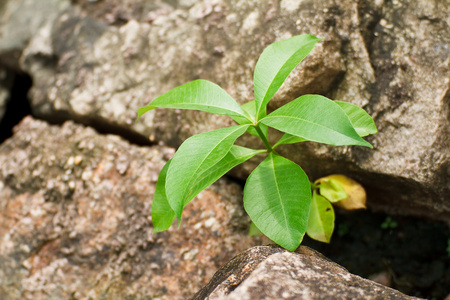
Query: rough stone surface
x=19, y=21
x=98, y=62
x=6, y=80
x=75, y=220
x=98, y=72
x=266, y=272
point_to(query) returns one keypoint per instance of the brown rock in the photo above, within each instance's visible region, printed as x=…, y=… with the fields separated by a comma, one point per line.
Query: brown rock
x=75, y=220
x=269, y=272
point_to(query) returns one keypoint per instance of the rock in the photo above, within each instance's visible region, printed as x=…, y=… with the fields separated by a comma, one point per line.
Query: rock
x=19, y=21
x=75, y=220
x=267, y=272
x=390, y=58
x=119, y=12
x=6, y=80
x=412, y=111
x=96, y=72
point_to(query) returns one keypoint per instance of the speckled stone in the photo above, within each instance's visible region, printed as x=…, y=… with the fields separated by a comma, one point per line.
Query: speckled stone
x=269, y=272
x=6, y=80
x=107, y=72
x=75, y=220
x=19, y=22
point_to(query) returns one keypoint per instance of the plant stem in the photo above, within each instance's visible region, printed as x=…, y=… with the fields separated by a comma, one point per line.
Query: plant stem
x=264, y=139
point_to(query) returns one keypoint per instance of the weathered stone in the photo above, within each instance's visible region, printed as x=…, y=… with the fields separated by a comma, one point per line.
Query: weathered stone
x=19, y=21
x=105, y=72
x=390, y=58
x=6, y=80
x=266, y=272
x=119, y=12
x=75, y=220
x=410, y=101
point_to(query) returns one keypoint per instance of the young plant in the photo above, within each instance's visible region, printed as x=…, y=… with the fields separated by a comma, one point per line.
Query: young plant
x=277, y=194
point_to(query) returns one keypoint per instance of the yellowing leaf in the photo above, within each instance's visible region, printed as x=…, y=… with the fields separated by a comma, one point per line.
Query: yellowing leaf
x=332, y=190
x=356, y=193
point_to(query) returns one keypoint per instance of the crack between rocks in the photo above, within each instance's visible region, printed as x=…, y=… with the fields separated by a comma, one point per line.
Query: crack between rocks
x=105, y=127
x=19, y=106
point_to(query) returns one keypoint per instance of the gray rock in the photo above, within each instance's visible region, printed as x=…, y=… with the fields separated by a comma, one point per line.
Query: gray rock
x=96, y=72
x=266, y=272
x=19, y=21
x=75, y=220
x=390, y=58
x=6, y=80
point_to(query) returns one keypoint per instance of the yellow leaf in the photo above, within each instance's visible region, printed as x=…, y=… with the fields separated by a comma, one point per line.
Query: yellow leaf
x=356, y=193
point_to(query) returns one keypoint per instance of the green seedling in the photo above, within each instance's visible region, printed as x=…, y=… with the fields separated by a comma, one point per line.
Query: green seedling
x=389, y=223
x=277, y=194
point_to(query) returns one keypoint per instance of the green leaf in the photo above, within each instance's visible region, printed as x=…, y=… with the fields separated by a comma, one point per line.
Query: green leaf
x=277, y=196
x=360, y=119
x=315, y=118
x=321, y=219
x=250, y=109
x=332, y=190
x=162, y=214
x=252, y=130
x=288, y=139
x=197, y=154
x=275, y=64
x=254, y=231
x=200, y=95
x=234, y=157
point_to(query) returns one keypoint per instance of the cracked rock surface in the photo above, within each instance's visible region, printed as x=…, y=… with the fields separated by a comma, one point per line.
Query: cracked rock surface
x=269, y=272
x=76, y=221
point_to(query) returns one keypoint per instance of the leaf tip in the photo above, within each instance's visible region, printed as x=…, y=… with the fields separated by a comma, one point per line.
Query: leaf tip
x=375, y=130
x=364, y=143
x=369, y=145
x=143, y=110
x=294, y=246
